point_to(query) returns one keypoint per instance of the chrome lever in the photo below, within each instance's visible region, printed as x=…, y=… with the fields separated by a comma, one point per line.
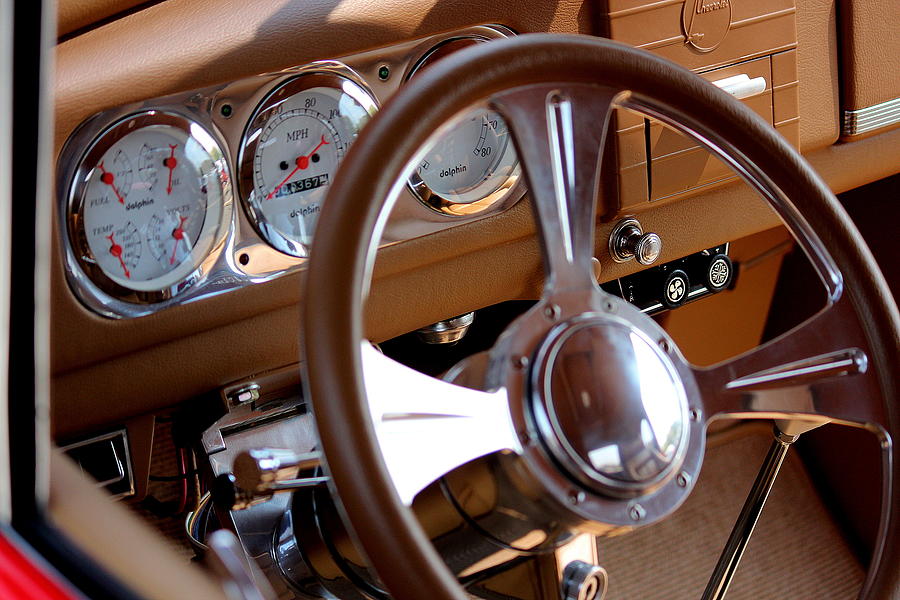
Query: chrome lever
x=731, y=555
x=259, y=474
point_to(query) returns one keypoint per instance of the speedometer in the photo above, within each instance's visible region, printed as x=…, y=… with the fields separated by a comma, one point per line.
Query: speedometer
x=147, y=206
x=291, y=150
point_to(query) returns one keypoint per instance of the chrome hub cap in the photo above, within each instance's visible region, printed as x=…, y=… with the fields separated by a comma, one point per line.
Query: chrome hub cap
x=610, y=406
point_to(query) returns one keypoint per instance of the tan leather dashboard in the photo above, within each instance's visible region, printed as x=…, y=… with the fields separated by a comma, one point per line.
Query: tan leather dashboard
x=106, y=371
x=870, y=51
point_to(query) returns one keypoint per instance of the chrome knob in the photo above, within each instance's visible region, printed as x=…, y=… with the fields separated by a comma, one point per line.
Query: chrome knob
x=260, y=469
x=628, y=241
x=584, y=581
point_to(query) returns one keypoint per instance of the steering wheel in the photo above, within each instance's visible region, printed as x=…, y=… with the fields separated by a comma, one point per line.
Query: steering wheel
x=574, y=384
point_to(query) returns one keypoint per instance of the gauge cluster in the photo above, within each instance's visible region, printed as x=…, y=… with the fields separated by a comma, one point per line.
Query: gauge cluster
x=180, y=198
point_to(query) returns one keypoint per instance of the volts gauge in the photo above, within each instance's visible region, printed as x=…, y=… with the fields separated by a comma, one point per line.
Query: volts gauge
x=149, y=202
x=291, y=150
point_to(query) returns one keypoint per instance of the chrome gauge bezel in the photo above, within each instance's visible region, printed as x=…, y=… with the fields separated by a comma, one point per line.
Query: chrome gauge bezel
x=326, y=74
x=444, y=206
x=97, y=288
x=512, y=183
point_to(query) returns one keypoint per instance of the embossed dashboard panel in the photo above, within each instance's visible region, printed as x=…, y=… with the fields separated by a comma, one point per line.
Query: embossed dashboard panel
x=717, y=39
x=107, y=371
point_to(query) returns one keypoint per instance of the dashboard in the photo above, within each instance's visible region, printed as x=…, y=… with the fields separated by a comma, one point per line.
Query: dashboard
x=123, y=349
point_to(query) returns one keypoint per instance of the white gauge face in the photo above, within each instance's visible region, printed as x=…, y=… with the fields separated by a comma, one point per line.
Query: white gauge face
x=473, y=165
x=472, y=161
x=296, y=141
x=150, y=203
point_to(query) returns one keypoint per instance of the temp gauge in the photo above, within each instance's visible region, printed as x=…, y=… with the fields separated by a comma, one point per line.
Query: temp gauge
x=474, y=165
x=147, y=206
x=291, y=150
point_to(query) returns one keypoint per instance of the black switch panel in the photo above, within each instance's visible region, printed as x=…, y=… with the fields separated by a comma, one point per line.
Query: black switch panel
x=668, y=286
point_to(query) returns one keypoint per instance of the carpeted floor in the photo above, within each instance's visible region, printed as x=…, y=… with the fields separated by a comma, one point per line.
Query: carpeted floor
x=164, y=463
x=796, y=551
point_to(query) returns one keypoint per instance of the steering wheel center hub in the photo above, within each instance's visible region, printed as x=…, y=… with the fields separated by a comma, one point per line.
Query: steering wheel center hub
x=610, y=406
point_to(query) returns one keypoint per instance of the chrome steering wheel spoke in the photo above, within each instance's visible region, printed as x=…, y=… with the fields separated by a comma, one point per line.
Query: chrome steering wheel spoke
x=562, y=164
x=816, y=372
x=427, y=427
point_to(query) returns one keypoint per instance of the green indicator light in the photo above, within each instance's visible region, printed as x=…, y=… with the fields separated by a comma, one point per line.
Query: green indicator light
x=384, y=72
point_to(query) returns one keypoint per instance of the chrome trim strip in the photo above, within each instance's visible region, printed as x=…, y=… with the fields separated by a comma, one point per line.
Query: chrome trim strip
x=871, y=118
x=124, y=462
x=43, y=242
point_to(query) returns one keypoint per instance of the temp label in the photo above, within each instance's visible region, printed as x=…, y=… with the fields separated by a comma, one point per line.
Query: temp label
x=96, y=231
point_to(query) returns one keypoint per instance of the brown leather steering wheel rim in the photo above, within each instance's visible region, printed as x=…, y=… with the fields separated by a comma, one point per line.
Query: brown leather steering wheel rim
x=393, y=541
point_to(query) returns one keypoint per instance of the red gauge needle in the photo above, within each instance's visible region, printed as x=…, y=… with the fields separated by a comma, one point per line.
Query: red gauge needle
x=109, y=179
x=302, y=163
x=116, y=250
x=178, y=234
x=170, y=163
